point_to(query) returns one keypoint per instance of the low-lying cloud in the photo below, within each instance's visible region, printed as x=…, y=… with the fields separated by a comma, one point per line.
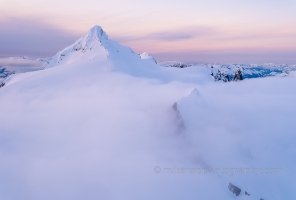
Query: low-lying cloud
x=247, y=56
x=21, y=65
x=85, y=133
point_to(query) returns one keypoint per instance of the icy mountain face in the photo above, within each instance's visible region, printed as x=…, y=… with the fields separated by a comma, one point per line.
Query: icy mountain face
x=147, y=57
x=94, y=45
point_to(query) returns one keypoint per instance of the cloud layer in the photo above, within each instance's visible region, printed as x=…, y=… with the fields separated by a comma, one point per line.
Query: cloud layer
x=83, y=132
x=32, y=37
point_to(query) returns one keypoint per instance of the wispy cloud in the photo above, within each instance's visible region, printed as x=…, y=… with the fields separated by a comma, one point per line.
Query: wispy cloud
x=184, y=33
x=258, y=36
x=177, y=34
x=21, y=65
x=32, y=37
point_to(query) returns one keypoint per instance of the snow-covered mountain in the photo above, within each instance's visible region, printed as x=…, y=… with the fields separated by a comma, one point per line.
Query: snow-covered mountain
x=97, y=49
x=99, y=122
x=94, y=45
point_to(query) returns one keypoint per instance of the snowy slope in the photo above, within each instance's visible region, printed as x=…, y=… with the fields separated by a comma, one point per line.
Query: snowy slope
x=101, y=123
x=147, y=57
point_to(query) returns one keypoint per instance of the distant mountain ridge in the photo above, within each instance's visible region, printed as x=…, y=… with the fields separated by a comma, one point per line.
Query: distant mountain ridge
x=248, y=70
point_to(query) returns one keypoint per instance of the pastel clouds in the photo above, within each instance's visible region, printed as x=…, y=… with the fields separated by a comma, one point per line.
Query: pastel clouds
x=175, y=29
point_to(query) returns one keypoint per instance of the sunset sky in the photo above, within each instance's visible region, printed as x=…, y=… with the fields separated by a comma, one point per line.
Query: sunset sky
x=228, y=31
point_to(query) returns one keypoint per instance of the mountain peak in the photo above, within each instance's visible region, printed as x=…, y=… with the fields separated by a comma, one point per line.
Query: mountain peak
x=95, y=44
x=96, y=32
x=195, y=92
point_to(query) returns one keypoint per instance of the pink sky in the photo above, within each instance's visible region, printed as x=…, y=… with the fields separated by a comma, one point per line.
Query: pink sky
x=188, y=30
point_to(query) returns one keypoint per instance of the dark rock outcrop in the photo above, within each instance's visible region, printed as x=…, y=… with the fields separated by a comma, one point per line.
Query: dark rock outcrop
x=234, y=189
x=238, y=76
x=178, y=118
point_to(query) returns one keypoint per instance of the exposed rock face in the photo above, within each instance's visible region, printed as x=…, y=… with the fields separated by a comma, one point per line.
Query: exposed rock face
x=180, y=65
x=238, y=76
x=174, y=64
x=5, y=73
x=234, y=189
x=179, y=119
x=218, y=76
